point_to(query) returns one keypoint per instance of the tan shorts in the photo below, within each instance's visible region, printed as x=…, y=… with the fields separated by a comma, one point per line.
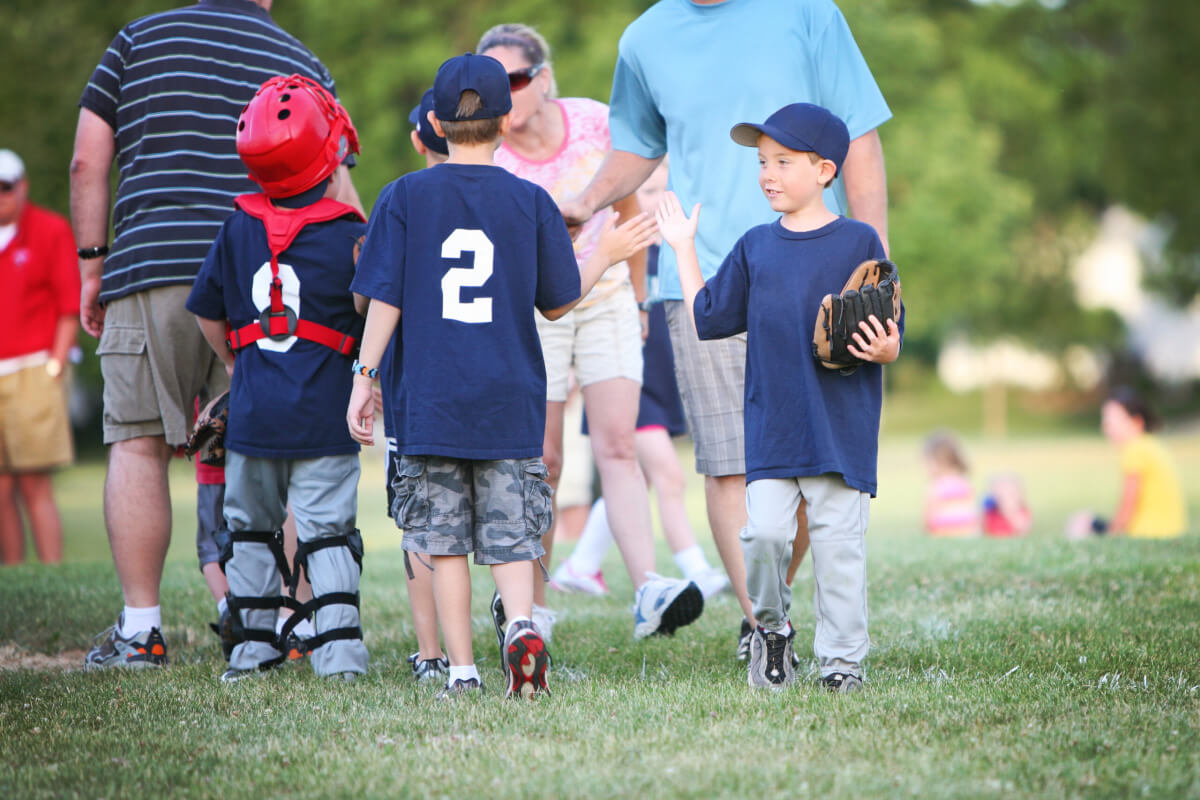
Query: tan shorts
x=155, y=362
x=603, y=341
x=35, y=432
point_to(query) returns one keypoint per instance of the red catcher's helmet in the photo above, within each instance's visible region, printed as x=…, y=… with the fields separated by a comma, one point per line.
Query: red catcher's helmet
x=292, y=135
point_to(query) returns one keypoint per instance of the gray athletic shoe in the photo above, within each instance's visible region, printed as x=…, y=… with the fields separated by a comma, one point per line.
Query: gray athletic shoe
x=111, y=649
x=771, y=659
x=428, y=669
x=233, y=675
x=743, y=642
x=499, y=619
x=458, y=688
x=842, y=682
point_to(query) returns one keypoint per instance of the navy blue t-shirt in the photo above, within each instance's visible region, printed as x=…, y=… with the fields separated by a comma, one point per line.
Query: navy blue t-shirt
x=467, y=252
x=288, y=398
x=802, y=420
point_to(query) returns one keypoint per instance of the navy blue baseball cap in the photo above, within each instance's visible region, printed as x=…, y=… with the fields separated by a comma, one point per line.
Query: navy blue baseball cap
x=800, y=126
x=484, y=74
x=419, y=117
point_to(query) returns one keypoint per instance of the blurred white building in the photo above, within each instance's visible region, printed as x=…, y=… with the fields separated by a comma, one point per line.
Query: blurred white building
x=1109, y=275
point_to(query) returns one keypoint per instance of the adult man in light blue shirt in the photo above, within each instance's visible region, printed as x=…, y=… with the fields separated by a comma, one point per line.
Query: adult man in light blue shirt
x=688, y=71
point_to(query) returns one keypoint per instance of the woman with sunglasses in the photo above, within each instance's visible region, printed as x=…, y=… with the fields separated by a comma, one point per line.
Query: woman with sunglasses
x=559, y=143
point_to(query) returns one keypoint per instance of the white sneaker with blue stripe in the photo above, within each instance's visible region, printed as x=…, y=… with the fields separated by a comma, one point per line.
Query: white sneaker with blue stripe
x=663, y=605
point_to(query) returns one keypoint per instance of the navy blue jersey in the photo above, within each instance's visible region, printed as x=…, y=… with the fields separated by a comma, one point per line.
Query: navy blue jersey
x=467, y=252
x=802, y=420
x=288, y=398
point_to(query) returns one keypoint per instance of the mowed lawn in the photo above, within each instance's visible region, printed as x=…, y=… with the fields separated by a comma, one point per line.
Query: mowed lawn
x=1030, y=668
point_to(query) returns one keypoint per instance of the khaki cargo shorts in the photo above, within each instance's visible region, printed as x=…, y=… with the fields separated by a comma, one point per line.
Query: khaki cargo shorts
x=155, y=362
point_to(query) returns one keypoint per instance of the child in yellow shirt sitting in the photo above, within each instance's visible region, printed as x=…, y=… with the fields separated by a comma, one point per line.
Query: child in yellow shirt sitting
x=1152, y=504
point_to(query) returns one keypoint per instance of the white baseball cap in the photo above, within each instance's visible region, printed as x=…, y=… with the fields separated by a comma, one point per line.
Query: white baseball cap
x=12, y=168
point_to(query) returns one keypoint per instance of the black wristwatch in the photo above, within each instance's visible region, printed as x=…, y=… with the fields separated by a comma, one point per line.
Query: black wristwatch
x=92, y=252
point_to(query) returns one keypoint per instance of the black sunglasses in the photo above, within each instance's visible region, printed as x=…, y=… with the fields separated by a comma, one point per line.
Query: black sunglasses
x=6, y=187
x=523, y=77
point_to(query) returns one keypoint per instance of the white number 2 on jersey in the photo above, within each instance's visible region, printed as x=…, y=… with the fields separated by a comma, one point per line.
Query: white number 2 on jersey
x=465, y=240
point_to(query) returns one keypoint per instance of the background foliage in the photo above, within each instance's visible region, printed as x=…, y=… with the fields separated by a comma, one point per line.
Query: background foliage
x=1014, y=124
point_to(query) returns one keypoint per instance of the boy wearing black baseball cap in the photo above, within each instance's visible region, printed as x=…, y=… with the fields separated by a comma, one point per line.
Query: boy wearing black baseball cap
x=811, y=433
x=456, y=259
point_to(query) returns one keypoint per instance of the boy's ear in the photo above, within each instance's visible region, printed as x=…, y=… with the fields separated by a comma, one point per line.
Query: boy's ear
x=437, y=126
x=418, y=145
x=826, y=171
x=505, y=125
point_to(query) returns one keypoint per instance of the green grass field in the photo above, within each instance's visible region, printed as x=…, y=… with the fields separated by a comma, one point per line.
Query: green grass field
x=1030, y=668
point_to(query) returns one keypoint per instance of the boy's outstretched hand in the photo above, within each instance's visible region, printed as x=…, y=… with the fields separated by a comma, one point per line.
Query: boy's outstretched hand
x=874, y=342
x=622, y=241
x=675, y=227
x=360, y=414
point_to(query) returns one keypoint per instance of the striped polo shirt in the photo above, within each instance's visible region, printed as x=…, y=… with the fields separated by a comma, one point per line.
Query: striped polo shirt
x=172, y=86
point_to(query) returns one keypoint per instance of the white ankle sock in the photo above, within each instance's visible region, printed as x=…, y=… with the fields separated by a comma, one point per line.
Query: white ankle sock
x=512, y=622
x=462, y=673
x=136, y=620
x=691, y=561
x=593, y=543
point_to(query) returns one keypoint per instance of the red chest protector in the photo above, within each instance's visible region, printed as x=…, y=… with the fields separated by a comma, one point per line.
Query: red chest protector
x=277, y=320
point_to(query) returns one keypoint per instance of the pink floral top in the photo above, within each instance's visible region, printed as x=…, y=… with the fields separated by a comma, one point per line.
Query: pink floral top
x=568, y=172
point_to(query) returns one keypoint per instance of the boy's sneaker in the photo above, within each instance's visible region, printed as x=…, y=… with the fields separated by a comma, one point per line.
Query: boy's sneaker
x=711, y=581
x=543, y=620
x=842, y=682
x=458, y=688
x=743, y=642
x=111, y=649
x=566, y=579
x=525, y=661
x=499, y=620
x=663, y=605
x=771, y=659
x=428, y=669
x=743, y=645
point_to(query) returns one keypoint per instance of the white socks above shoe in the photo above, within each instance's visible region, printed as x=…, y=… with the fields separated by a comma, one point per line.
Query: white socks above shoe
x=462, y=674
x=691, y=562
x=136, y=620
x=514, y=621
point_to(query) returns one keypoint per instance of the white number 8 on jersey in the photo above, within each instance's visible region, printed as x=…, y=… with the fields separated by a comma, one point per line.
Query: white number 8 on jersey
x=465, y=240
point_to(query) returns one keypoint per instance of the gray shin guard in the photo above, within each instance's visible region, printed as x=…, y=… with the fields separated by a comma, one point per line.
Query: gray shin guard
x=333, y=565
x=254, y=597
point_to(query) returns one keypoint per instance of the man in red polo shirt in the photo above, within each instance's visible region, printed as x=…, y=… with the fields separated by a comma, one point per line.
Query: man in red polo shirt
x=39, y=317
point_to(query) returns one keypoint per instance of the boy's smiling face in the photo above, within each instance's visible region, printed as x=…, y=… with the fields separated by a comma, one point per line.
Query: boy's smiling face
x=789, y=178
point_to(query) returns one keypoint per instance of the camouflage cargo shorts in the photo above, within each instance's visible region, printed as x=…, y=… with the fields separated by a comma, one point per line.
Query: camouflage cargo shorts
x=498, y=510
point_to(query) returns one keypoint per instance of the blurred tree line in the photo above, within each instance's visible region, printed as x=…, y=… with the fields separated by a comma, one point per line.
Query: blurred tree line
x=1015, y=123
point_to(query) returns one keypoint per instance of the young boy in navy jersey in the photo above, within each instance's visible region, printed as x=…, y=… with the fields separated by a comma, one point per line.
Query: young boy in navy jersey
x=468, y=251
x=811, y=433
x=275, y=290
x=429, y=663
